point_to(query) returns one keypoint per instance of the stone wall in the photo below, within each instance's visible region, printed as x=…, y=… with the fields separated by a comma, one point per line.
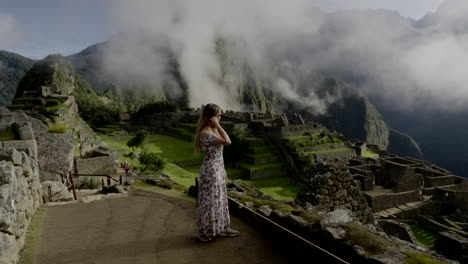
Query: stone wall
x=97, y=165
x=159, y=121
x=54, y=151
x=388, y=200
x=453, y=197
x=398, y=177
x=332, y=186
x=20, y=197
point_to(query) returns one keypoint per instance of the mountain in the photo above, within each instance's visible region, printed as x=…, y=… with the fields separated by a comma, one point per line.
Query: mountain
x=12, y=68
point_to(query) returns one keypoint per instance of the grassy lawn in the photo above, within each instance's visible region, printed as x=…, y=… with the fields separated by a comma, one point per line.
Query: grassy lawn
x=180, y=151
x=329, y=151
x=370, y=154
x=424, y=236
x=283, y=188
x=32, y=238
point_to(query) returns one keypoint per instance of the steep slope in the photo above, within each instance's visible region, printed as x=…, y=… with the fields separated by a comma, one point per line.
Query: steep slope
x=12, y=68
x=403, y=145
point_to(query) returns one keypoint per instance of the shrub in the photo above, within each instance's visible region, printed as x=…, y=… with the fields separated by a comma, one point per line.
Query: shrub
x=151, y=161
x=236, y=151
x=89, y=183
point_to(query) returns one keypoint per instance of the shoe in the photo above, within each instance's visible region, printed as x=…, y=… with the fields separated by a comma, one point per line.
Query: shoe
x=229, y=232
x=204, y=238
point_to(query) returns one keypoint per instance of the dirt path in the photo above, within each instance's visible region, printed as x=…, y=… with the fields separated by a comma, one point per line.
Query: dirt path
x=142, y=229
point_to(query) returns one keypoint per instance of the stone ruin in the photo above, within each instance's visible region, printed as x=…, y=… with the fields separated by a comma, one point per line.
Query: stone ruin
x=95, y=158
x=20, y=191
x=330, y=186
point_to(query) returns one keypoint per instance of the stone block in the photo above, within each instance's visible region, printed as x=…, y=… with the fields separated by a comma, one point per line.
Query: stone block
x=10, y=154
x=26, y=132
x=7, y=172
x=21, y=145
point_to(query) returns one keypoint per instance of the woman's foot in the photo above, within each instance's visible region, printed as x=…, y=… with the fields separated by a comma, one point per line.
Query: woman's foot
x=229, y=232
x=204, y=238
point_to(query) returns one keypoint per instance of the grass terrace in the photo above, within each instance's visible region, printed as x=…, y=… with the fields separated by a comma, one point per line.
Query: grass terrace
x=184, y=165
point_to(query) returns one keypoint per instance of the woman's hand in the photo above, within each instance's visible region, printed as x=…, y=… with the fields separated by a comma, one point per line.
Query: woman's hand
x=214, y=121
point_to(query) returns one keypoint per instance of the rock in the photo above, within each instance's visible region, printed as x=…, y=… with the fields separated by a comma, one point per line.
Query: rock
x=265, y=209
x=7, y=172
x=336, y=232
x=25, y=132
x=337, y=217
x=11, y=154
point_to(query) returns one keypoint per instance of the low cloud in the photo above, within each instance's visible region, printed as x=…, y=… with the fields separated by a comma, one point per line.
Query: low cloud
x=220, y=46
x=9, y=31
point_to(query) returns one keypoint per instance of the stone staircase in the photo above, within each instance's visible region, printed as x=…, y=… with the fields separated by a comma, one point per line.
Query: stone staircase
x=262, y=161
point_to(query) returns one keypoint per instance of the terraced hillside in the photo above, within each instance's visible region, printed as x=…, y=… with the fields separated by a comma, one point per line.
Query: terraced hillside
x=317, y=146
x=261, y=164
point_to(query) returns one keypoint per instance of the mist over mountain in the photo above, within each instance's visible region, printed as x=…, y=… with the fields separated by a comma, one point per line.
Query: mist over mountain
x=243, y=54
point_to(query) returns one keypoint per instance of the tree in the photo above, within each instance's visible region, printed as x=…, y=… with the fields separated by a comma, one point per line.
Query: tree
x=151, y=161
x=138, y=140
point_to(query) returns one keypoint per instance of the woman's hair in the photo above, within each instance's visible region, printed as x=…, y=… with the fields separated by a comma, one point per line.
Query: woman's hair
x=209, y=111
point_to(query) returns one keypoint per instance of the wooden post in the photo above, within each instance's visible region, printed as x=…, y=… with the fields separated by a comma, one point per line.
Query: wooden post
x=108, y=180
x=73, y=185
x=120, y=179
x=50, y=193
x=102, y=183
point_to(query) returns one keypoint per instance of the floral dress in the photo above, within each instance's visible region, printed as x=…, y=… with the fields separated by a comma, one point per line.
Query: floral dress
x=213, y=212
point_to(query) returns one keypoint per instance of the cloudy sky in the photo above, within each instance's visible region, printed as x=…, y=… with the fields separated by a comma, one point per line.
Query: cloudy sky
x=36, y=28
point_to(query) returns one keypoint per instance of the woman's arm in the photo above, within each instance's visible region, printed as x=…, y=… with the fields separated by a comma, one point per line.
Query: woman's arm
x=224, y=137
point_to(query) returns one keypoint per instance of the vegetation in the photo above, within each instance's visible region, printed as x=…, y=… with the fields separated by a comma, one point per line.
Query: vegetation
x=415, y=258
x=14, y=67
x=151, y=161
x=89, y=183
x=424, y=236
x=138, y=141
x=57, y=128
x=156, y=107
x=370, y=242
x=32, y=238
x=91, y=107
x=260, y=202
x=8, y=134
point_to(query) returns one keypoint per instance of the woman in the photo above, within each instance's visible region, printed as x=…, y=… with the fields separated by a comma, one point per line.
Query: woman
x=213, y=212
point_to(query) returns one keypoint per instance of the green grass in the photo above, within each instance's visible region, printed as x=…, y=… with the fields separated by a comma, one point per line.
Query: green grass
x=259, y=202
x=173, y=149
x=283, y=188
x=261, y=166
x=7, y=134
x=180, y=175
x=261, y=155
x=415, y=258
x=262, y=149
x=32, y=238
x=329, y=151
x=177, y=150
x=370, y=154
x=370, y=242
x=57, y=128
x=424, y=236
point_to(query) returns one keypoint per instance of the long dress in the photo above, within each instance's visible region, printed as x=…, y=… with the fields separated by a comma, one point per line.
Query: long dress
x=213, y=212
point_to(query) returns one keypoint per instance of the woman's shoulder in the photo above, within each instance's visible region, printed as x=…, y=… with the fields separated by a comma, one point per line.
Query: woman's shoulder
x=207, y=134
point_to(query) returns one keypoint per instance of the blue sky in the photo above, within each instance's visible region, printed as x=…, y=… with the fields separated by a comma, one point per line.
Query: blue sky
x=36, y=28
